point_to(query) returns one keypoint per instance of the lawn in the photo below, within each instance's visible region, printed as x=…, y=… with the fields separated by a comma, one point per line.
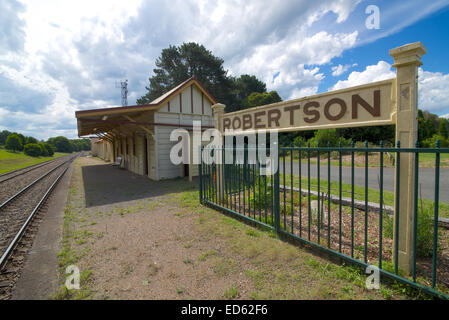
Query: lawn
x=426, y=160
x=16, y=160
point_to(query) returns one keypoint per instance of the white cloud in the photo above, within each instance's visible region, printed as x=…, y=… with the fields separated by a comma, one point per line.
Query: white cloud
x=380, y=71
x=433, y=92
x=47, y=81
x=340, y=69
x=284, y=56
x=12, y=35
x=433, y=95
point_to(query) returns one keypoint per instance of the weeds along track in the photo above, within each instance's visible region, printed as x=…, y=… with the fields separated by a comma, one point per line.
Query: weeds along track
x=14, y=181
x=19, y=219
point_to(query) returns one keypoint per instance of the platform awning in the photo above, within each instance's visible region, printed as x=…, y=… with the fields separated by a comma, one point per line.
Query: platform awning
x=106, y=120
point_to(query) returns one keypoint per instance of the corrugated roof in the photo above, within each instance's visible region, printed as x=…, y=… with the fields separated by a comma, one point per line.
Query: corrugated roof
x=87, y=118
x=155, y=104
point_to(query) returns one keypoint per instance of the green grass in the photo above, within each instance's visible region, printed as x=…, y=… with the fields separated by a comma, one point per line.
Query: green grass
x=426, y=160
x=278, y=269
x=10, y=161
x=359, y=192
x=231, y=293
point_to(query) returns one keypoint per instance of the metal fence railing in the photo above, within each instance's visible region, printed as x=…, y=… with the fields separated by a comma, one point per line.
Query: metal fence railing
x=342, y=200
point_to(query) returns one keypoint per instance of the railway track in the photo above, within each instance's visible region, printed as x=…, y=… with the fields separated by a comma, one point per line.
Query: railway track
x=15, y=173
x=13, y=183
x=20, y=215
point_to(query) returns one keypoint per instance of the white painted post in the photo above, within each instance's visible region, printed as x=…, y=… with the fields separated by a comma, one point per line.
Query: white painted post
x=218, y=110
x=406, y=61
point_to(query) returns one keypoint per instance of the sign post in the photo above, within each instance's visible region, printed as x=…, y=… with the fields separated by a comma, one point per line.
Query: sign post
x=407, y=59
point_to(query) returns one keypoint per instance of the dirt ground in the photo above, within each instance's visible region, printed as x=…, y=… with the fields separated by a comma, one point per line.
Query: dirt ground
x=133, y=238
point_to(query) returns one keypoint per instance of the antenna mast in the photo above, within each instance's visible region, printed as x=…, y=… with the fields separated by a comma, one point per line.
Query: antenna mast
x=124, y=87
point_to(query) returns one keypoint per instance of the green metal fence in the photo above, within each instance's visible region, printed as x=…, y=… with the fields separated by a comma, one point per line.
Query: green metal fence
x=353, y=222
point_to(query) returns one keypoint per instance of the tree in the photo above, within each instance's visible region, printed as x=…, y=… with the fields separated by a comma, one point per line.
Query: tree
x=372, y=134
x=32, y=149
x=259, y=99
x=13, y=143
x=177, y=64
x=75, y=146
x=22, y=139
x=80, y=144
x=243, y=86
x=61, y=144
x=443, y=128
x=3, y=135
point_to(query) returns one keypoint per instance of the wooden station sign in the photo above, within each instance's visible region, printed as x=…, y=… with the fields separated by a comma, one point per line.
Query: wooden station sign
x=365, y=105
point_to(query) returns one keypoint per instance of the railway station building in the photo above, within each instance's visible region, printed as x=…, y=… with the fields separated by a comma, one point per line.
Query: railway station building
x=140, y=134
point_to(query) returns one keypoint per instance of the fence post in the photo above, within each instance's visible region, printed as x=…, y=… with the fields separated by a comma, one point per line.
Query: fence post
x=200, y=172
x=276, y=204
x=218, y=110
x=406, y=61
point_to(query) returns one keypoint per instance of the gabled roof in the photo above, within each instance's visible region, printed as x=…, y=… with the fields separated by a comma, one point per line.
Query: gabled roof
x=153, y=105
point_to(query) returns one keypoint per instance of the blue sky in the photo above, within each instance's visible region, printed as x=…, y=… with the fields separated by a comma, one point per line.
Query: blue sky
x=57, y=57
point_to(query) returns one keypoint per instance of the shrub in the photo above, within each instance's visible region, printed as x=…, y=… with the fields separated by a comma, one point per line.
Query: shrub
x=424, y=240
x=44, y=152
x=299, y=141
x=431, y=142
x=30, y=140
x=254, y=197
x=324, y=138
x=50, y=149
x=32, y=149
x=328, y=137
x=361, y=144
x=424, y=243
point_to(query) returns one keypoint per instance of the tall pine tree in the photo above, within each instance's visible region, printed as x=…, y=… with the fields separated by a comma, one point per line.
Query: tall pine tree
x=177, y=64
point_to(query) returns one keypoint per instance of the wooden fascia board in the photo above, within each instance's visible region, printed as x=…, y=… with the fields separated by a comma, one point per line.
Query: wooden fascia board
x=117, y=110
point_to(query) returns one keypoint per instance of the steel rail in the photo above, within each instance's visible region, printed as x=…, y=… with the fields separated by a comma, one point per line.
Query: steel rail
x=32, y=184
